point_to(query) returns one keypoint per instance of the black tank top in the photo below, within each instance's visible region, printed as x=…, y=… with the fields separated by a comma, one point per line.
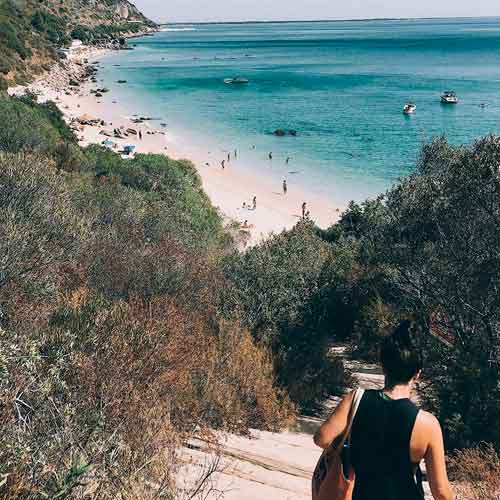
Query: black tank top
x=380, y=449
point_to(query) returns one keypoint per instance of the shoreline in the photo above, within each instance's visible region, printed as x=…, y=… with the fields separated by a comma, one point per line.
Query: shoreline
x=231, y=189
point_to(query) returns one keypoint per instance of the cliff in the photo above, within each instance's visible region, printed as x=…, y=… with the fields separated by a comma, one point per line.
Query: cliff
x=32, y=32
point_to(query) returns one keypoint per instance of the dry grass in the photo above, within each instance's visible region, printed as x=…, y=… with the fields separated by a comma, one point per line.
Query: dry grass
x=106, y=393
x=476, y=473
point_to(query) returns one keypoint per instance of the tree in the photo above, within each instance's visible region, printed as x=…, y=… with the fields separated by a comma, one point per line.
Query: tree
x=433, y=248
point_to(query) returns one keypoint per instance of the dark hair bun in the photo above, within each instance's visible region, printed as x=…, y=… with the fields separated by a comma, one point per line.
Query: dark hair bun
x=401, y=355
x=407, y=332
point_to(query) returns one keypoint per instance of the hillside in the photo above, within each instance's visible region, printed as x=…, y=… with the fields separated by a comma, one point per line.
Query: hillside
x=125, y=306
x=31, y=32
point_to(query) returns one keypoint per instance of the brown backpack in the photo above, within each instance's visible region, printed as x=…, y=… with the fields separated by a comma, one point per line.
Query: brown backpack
x=329, y=481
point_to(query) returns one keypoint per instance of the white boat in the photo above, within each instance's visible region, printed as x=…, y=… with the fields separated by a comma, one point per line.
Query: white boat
x=409, y=108
x=449, y=97
x=236, y=79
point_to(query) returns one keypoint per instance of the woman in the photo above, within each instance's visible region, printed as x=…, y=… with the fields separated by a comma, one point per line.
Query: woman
x=390, y=435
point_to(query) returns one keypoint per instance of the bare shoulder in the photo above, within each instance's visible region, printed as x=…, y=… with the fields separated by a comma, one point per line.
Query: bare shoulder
x=349, y=396
x=425, y=433
x=342, y=409
x=345, y=403
x=427, y=419
x=428, y=424
x=335, y=424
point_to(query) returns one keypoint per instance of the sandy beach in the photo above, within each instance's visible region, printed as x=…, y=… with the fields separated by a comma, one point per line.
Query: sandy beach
x=231, y=189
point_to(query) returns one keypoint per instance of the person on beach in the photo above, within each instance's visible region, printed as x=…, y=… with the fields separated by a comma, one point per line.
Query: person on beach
x=254, y=202
x=223, y=164
x=235, y=154
x=229, y=157
x=304, y=207
x=140, y=135
x=287, y=161
x=271, y=155
x=390, y=435
x=285, y=187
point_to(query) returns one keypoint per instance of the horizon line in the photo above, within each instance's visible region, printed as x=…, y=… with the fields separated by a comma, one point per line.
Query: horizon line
x=290, y=21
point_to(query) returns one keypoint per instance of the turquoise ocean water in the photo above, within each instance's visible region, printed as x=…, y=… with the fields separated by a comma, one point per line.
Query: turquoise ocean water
x=341, y=85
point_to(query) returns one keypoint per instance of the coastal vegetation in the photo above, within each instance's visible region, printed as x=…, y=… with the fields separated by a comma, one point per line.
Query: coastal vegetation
x=280, y=290
x=120, y=274
x=430, y=247
x=130, y=322
x=32, y=32
x=104, y=32
x=112, y=350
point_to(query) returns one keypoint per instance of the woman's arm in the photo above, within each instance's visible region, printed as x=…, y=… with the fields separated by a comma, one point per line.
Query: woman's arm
x=435, y=463
x=335, y=424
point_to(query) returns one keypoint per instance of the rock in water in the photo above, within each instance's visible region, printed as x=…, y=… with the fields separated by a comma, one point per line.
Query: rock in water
x=280, y=132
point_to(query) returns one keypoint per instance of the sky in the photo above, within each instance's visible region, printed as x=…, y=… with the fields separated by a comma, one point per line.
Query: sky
x=265, y=10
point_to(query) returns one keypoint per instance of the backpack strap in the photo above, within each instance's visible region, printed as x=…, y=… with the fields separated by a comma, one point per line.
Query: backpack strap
x=356, y=400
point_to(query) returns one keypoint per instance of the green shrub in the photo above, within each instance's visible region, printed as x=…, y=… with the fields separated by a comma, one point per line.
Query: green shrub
x=38, y=226
x=430, y=249
x=177, y=201
x=26, y=128
x=278, y=290
x=53, y=114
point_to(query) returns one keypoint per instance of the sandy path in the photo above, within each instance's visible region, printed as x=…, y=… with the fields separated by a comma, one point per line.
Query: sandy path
x=277, y=466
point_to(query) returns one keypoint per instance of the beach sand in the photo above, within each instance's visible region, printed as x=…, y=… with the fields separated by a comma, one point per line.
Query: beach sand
x=228, y=188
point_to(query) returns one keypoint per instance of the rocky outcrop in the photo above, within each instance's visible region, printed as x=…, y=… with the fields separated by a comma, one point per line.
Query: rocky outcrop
x=281, y=132
x=122, y=10
x=38, y=27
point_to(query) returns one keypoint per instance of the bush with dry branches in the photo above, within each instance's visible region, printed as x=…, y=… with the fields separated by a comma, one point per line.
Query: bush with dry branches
x=38, y=227
x=476, y=473
x=103, y=396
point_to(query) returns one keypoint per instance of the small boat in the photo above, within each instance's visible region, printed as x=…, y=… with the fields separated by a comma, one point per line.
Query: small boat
x=236, y=79
x=409, y=108
x=449, y=97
